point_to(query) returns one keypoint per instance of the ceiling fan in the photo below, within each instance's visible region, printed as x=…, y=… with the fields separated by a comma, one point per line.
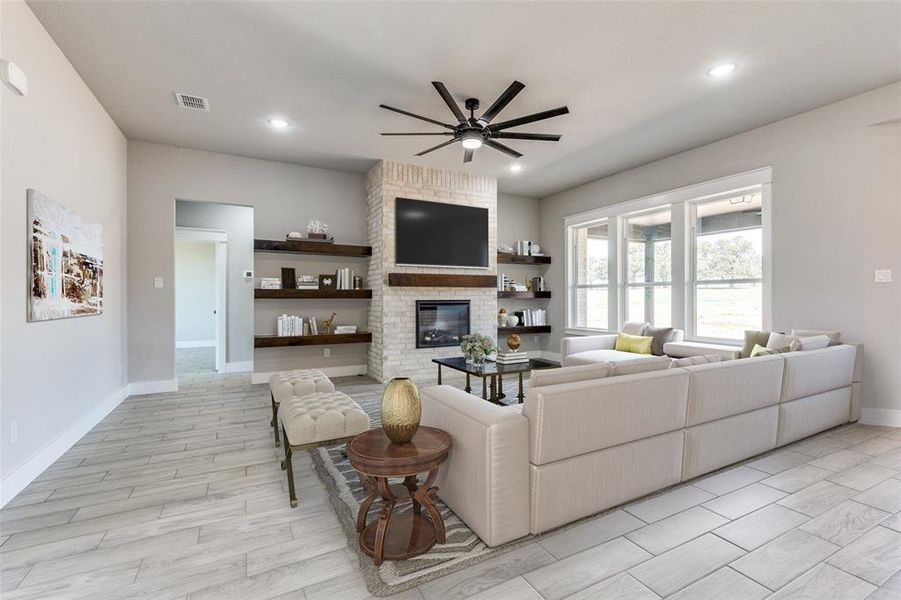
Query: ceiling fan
x=472, y=132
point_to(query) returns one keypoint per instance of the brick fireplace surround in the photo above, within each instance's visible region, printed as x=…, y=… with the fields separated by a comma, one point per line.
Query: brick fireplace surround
x=392, y=321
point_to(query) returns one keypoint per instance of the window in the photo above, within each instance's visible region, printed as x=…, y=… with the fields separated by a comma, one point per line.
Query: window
x=648, y=256
x=728, y=266
x=592, y=269
x=696, y=259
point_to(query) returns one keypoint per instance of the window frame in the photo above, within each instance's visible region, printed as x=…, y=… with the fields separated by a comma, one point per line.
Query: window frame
x=682, y=202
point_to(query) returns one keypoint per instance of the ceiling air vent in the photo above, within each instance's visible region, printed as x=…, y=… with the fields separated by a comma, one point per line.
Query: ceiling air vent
x=192, y=102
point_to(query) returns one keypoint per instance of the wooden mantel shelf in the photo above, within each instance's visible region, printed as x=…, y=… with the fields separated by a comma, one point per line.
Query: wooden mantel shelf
x=278, y=341
x=303, y=247
x=310, y=294
x=441, y=280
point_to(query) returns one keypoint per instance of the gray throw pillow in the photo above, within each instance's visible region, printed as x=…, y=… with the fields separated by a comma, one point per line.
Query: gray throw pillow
x=661, y=336
x=754, y=338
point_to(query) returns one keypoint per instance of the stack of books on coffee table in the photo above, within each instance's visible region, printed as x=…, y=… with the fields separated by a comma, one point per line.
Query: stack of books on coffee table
x=511, y=358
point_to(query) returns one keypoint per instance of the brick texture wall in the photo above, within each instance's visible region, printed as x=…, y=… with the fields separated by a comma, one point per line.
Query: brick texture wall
x=392, y=318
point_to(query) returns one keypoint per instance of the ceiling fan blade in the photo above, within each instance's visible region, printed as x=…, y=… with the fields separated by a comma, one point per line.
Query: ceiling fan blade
x=547, y=114
x=441, y=145
x=505, y=149
x=539, y=137
x=467, y=156
x=499, y=104
x=430, y=133
x=420, y=117
x=451, y=103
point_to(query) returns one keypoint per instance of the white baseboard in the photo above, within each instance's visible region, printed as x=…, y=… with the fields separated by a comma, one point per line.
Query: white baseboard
x=239, y=367
x=25, y=473
x=199, y=344
x=883, y=417
x=138, y=388
x=345, y=371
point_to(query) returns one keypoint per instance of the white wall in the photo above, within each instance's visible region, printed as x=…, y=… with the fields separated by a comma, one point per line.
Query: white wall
x=836, y=218
x=517, y=219
x=283, y=196
x=195, y=292
x=58, y=377
x=237, y=222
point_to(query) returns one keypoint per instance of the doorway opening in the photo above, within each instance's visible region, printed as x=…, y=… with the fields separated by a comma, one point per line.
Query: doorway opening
x=201, y=275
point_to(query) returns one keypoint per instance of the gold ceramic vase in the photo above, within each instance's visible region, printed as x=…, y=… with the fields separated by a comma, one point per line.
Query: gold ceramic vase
x=401, y=410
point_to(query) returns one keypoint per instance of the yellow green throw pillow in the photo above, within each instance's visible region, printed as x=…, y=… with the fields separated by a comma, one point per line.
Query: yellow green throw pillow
x=761, y=351
x=638, y=344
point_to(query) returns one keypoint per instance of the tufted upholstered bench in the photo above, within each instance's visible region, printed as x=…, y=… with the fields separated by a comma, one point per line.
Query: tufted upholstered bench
x=317, y=419
x=288, y=384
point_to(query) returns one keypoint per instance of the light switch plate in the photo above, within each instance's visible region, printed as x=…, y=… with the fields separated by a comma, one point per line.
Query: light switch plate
x=158, y=282
x=883, y=275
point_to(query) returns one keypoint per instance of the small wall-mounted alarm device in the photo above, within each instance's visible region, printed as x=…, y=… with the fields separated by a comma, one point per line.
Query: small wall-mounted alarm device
x=13, y=76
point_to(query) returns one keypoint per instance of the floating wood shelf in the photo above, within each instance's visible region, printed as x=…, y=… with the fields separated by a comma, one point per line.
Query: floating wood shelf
x=519, y=259
x=279, y=341
x=525, y=329
x=441, y=280
x=285, y=294
x=317, y=248
x=524, y=295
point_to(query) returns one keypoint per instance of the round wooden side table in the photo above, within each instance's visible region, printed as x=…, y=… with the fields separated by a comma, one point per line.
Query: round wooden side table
x=376, y=458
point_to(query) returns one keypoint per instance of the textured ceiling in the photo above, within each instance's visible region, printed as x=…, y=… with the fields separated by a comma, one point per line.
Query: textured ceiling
x=632, y=74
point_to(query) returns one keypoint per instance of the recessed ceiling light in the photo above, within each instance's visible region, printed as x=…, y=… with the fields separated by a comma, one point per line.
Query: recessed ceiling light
x=721, y=70
x=515, y=168
x=279, y=123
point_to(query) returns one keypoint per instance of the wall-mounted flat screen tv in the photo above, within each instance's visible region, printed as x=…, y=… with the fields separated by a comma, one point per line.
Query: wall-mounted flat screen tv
x=439, y=234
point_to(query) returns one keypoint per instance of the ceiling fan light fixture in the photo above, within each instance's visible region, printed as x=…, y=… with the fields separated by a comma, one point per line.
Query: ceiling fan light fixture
x=472, y=140
x=721, y=70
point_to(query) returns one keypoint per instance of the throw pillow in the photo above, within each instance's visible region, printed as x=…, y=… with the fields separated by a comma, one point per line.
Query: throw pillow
x=542, y=377
x=633, y=343
x=780, y=340
x=634, y=327
x=754, y=338
x=761, y=351
x=813, y=342
x=835, y=337
x=701, y=359
x=660, y=335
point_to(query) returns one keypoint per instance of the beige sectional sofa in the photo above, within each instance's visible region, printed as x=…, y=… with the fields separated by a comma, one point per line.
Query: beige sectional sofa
x=574, y=448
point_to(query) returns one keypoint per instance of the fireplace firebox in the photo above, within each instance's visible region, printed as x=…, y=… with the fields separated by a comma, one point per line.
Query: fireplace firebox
x=441, y=322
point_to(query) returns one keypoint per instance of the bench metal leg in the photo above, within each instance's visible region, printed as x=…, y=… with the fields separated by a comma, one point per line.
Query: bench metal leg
x=274, y=421
x=290, y=471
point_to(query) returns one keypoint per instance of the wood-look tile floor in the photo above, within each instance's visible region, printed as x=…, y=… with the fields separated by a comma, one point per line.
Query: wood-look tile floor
x=181, y=496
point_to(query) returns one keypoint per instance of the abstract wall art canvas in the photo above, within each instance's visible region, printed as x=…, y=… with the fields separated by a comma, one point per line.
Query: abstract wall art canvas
x=66, y=256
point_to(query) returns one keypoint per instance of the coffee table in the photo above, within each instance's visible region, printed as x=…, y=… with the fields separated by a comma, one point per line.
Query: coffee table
x=376, y=458
x=493, y=372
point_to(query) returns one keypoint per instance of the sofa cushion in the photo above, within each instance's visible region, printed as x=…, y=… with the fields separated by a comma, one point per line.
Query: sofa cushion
x=817, y=371
x=591, y=357
x=683, y=349
x=634, y=327
x=574, y=418
x=638, y=344
x=321, y=416
x=703, y=359
x=835, y=337
x=660, y=335
x=733, y=387
x=540, y=377
x=300, y=382
x=642, y=365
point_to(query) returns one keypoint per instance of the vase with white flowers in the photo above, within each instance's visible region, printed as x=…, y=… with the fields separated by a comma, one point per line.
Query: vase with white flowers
x=476, y=348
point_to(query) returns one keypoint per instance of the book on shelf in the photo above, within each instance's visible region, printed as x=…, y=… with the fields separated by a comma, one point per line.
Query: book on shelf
x=345, y=329
x=289, y=325
x=270, y=283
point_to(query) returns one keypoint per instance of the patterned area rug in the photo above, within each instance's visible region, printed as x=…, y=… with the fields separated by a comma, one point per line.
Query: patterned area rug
x=462, y=549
